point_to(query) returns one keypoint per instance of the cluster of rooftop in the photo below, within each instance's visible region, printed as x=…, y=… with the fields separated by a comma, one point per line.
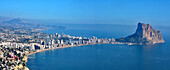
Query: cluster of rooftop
x=17, y=43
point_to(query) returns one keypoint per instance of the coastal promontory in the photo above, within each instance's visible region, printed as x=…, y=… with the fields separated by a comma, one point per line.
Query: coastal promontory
x=144, y=34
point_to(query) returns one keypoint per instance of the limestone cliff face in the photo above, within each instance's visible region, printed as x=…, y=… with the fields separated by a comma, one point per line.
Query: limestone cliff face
x=144, y=34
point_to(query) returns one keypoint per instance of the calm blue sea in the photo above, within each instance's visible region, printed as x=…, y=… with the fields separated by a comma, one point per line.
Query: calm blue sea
x=104, y=56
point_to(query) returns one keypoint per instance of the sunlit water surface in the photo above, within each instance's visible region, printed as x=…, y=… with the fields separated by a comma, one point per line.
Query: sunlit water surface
x=104, y=56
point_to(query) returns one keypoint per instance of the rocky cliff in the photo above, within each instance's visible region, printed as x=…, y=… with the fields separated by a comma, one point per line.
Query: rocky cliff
x=144, y=34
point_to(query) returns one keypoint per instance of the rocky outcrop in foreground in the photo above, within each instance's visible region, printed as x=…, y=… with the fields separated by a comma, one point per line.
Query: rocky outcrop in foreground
x=144, y=34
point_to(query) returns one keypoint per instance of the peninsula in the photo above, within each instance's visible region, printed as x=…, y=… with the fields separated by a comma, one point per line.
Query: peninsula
x=144, y=34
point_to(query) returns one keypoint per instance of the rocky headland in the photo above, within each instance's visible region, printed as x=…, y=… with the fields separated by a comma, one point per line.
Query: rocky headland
x=144, y=34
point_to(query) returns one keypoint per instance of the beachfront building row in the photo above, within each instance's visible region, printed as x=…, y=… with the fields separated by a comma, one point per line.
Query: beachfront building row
x=13, y=54
x=70, y=40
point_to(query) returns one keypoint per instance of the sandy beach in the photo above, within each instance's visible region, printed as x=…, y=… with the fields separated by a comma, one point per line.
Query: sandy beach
x=58, y=48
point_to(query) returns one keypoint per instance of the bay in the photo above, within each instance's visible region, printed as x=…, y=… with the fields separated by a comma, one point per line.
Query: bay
x=104, y=56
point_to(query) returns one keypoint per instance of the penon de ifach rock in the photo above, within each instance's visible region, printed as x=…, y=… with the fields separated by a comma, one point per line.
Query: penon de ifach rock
x=144, y=34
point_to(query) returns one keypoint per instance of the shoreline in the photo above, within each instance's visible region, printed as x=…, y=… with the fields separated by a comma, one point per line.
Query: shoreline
x=38, y=51
x=58, y=48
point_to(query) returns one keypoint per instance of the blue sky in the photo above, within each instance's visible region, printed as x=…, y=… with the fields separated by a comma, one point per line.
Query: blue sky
x=90, y=11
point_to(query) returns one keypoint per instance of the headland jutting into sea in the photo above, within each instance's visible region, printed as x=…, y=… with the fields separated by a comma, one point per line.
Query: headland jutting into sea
x=18, y=43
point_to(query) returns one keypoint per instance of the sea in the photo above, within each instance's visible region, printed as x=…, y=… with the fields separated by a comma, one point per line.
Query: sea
x=104, y=56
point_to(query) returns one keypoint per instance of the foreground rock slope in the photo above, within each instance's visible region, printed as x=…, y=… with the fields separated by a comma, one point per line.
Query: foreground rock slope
x=144, y=34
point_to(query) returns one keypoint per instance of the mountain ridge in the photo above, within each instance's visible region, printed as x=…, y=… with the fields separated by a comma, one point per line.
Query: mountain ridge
x=19, y=23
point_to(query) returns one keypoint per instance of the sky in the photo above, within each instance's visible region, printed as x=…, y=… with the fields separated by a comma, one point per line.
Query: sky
x=90, y=11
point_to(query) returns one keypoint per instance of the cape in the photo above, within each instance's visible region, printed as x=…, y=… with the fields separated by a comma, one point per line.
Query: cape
x=144, y=34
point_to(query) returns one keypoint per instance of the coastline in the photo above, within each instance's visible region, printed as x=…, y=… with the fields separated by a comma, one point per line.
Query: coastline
x=57, y=48
x=38, y=51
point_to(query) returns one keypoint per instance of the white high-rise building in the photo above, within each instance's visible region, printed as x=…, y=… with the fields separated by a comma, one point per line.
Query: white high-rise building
x=58, y=35
x=69, y=41
x=47, y=40
x=58, y=41
x=32, y=47
x=61, y=41
x=53, y=42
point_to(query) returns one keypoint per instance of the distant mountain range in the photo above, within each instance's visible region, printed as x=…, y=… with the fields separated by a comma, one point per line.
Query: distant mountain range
x=15, y=22
x=19, y=23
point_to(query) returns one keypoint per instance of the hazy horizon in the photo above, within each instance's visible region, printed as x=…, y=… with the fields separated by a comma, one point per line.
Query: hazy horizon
x=155, y=12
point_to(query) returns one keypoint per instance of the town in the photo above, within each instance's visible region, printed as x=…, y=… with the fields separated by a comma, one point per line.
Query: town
x=17, y=43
